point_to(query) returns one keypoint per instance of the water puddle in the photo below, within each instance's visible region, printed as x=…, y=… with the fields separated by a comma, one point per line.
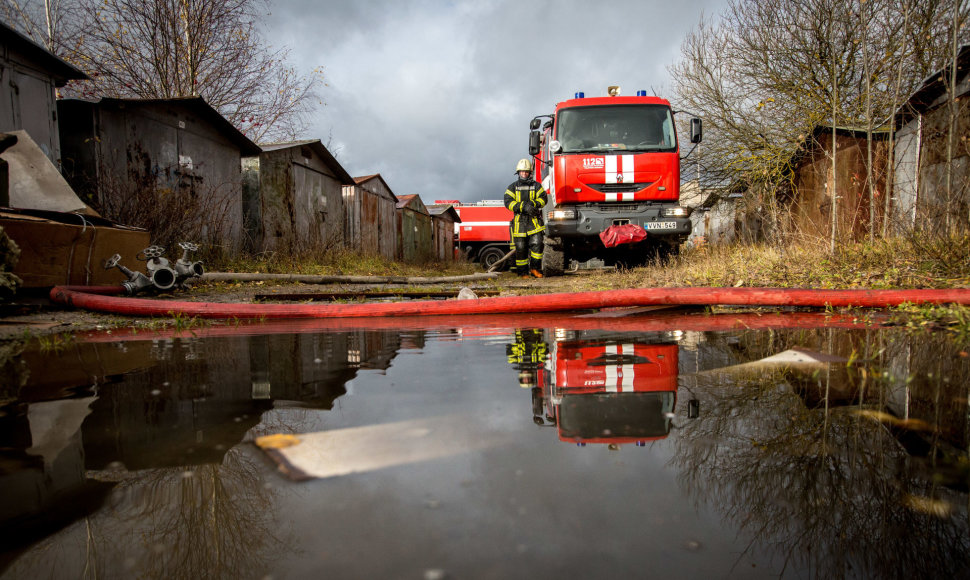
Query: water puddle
x=775, y=445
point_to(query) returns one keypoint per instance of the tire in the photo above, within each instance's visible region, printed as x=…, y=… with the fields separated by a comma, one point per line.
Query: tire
x=491, y=254
x=553, y=258
x=666, y=251
x=538, y=403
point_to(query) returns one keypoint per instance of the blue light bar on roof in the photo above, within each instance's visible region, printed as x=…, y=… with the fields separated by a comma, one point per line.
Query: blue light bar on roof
x=580, y=95
x=641, y=93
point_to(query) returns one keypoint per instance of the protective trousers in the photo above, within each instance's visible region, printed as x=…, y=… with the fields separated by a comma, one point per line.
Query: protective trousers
x=528, y=252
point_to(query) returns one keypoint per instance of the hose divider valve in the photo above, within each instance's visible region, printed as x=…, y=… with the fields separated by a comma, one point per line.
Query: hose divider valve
x=136, y=281
x=161, y=274
x=185, y=269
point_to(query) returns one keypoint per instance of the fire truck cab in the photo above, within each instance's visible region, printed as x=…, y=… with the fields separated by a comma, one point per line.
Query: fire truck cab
x=610, y=161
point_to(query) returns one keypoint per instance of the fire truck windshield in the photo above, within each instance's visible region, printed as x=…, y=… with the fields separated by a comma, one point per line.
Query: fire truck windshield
x=616, y=127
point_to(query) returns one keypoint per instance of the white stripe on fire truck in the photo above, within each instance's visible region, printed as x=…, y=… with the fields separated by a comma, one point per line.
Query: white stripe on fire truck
x=612, y=372
x=621, y=166
x=625, y=196
x=466, y=224
x=629, y=372
x=612, y=379
x=610, y=170
x=619, y=378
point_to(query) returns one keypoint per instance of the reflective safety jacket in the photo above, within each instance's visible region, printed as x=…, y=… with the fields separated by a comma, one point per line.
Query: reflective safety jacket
x=528, y=351
x=517, y=195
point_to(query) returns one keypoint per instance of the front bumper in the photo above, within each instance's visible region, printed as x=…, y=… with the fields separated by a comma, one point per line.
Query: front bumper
x=593, y=219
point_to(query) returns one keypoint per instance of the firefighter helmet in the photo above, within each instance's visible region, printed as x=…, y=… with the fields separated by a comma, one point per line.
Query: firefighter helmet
x=524, y=165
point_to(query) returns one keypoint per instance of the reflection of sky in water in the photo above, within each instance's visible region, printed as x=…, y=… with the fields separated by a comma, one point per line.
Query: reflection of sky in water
x=744, y=490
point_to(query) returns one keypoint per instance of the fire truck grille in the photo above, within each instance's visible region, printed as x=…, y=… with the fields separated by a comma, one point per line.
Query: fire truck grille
x=618, y=187
x=618, y=207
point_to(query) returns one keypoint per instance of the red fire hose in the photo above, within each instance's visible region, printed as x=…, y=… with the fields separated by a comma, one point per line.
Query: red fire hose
x=100, y=298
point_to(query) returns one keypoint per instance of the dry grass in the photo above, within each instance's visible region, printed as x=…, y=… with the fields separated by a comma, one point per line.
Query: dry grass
x=895, y=263
x=343, y=262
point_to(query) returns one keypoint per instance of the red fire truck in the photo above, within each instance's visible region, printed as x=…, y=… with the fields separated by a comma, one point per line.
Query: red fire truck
x=609, y=390
x=483, y=234
x=610, y=161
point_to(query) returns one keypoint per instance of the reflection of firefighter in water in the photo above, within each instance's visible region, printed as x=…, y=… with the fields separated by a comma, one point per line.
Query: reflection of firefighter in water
x=528, y=356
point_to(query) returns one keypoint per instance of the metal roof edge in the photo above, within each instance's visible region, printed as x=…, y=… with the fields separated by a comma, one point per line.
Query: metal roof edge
x=246, y=146
x=59, y=67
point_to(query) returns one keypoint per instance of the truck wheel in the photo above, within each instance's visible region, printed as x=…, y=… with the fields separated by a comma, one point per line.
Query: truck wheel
x=553, y=259
x=491, y=254
x=666, y=251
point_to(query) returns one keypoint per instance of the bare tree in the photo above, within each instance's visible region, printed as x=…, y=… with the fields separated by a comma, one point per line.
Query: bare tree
x=766, y=73
x=176, y=48
x=952, y=111
x=50, y=23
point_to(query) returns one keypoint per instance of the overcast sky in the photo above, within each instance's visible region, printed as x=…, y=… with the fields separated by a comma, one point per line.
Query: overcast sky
x=436, y=95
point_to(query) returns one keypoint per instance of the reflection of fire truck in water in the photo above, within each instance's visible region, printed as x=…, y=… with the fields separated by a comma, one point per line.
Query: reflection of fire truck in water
x=605, y=388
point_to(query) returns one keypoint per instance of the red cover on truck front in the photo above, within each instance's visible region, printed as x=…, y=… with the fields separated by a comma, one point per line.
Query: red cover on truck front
x=625, y=234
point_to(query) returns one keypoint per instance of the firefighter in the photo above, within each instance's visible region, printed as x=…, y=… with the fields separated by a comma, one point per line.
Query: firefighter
x=525, y=199
x=528, y=356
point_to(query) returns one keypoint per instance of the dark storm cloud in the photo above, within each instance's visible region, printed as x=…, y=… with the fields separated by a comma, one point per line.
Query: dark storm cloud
x=437, y=95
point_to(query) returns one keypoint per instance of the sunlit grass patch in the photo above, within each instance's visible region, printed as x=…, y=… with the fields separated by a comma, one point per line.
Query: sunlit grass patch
x=912, y=262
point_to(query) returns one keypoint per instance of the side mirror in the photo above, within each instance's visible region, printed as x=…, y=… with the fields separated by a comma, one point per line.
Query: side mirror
x=534, y=124
x=696, y=133
x=534, y=143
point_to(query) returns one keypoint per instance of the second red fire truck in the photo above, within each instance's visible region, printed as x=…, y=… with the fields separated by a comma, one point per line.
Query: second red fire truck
x=483, y=235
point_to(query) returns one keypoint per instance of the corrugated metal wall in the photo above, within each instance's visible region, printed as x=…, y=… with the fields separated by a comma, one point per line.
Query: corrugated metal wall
x=811, y=206
x=302, y=206
x=371, y=221
x=715, y=225
x=415, y=243
x=921, y=171
x=444, y=238
x=27, y=101
x=127, y=148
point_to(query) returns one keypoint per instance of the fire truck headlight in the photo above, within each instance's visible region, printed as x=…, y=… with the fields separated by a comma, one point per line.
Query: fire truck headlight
x=676, y=212
x=563, y=214
x=555, y=146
